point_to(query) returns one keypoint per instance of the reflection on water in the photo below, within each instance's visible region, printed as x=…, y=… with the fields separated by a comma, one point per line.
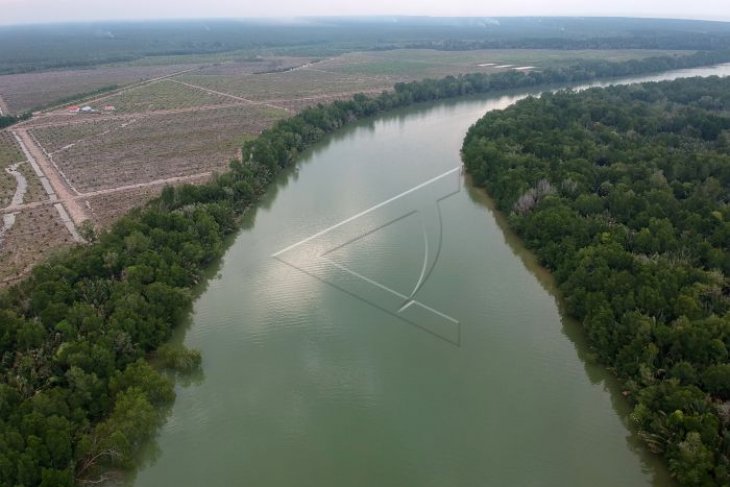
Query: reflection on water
x=304, y=385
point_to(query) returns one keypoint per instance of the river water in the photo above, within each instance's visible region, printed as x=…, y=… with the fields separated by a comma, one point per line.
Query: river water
x=311, y=376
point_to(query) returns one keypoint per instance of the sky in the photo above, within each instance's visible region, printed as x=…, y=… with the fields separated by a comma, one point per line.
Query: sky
x=31, y=11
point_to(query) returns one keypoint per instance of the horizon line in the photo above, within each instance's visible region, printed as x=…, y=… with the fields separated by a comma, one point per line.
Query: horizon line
x=294, y=18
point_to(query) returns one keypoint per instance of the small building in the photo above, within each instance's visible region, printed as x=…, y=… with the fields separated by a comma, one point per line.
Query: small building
x=74, y=109
x=87, y=109
x=109, y=108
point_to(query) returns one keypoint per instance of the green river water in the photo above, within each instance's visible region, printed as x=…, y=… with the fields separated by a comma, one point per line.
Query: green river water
x=311, y=379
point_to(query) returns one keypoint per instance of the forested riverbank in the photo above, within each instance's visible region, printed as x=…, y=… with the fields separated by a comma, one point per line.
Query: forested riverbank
x=77, y=338
x=623, y=193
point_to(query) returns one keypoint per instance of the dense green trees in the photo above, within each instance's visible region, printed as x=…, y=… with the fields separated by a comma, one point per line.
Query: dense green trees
x=77, y=393
x=8, y=120
x=39, y=47
x=624, y=193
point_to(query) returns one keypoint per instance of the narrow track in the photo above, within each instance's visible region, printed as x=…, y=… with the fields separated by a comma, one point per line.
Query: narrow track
x=58, y=191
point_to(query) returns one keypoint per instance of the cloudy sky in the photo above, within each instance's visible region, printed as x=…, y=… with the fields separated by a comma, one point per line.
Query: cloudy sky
x=25, y=11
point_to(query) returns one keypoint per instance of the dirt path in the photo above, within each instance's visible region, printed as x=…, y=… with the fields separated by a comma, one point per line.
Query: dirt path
x=120, y=189
x=156, y=182
x=61, y=192
x=65, y=120
x=131, y=87
x=49, y=158
x=344, y=94
x=228, y=95
x=21, y=184
x=24, y=206
x=20, y=190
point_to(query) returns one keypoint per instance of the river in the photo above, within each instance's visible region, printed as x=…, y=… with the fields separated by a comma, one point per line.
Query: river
x=311, y=378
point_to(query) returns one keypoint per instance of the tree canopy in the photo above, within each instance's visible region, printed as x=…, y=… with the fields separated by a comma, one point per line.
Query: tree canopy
x=78, y=392
x=624, y=193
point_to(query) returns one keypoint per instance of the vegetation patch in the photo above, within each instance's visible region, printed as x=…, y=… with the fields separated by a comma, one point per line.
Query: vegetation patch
x=159, y=146
x=78, y=392
x=413, y=64
x=162, y=95
x=23, y=92
x=286, y=86
x=624, y=193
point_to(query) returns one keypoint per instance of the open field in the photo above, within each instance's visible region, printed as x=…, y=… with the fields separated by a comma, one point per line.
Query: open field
x=106, y=208
x=374, y=71
x=58, y=137
x=11, y=156
x=411, y=64
x=161, y=95
x=156, y=146
x=185, y=126
x=9, y=150
x=296, y=84
x=36, y=234
x=240, y=65
x=23, y=92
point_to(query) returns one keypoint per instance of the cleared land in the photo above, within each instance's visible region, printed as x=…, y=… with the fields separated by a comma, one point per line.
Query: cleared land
x=161, y=95
x=246, y=65
x=411, y=64
x=36, y=234
x=170, y=128
x=23, y=92
x=11, y=156
x=109, y=206
x=155, y=147
x=296, y=84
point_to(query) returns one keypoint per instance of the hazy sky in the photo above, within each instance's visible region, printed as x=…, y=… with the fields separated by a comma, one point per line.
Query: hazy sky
x=24, y=11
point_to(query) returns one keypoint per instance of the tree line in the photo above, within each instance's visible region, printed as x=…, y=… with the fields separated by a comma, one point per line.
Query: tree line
x=32, y=48
x=8, y=120
x=83, y=383
x=624, y=194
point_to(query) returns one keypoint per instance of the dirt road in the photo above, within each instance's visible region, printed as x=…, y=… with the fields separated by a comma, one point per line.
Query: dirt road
x=156, y=182
x=228, y=95
x=57, y=119
x=14, y=208
x=63, y=193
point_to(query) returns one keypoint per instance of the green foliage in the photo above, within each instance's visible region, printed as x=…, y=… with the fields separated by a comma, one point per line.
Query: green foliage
x=43, y=47
x=636, y=234
x=178, y=358
x=8, y=120
x=77, y=395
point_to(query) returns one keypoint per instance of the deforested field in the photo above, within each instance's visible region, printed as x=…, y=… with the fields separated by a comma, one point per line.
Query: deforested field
x=28, y=91
x=413, y=64
x=36, y=234
x=290, y=85
x=154, y=147
x=108, y=207
x=178, y=119
x=9, y=154
x=161, y=95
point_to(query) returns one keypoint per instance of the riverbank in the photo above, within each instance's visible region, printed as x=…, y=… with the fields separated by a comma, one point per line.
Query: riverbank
x=81, y=325
x=580, y=203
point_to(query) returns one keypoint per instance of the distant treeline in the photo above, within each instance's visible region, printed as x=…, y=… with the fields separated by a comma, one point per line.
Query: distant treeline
x=63, y=46
x=657, y=41
x=78, y=393
x=624, y=193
